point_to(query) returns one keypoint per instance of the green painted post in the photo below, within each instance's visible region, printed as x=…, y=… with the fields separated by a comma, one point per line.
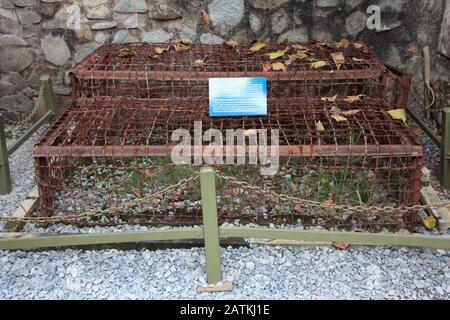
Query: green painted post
x=48, y=94
x=445, y=164
x=210, y=224
x=5, y=177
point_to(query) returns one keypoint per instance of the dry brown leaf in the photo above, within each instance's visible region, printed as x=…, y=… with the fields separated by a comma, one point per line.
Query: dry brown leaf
x=298, y=208
x=319, y=126
x=338, y=59
x=160, y=50
x=357, y=59
x=204, y=19
x=330, y=99
x=344, y=43
x=319, y=64
x=127, y=53
x=350, y=113
x=358, y=45
x=276, y=54
x=137, y=192
x=352, y=99
x=278, y=66
x=148, y=172
x=340, y=245
x=257, y=45
x=199, y=63
x=339, y=118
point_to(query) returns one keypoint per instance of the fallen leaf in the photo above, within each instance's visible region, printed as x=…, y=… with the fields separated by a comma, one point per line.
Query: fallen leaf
x=330, y=99
x=199, y=63
x=181, y=46
x=338, y=59
x=257, y=45
x=266, y=66
x=293, y=57
x=358, y=45
x=398, y=114
x=148, y=172
x=276, y=54
x=127, y=53
x=319, y=126
x=350, y=113
x=175, y=196
x=298, y=208
x=340, y=245
x=300, y=47
x=339, y=118
x=357, y=59
x=137, y=192
x=352, y=99
x=319, y=64
x=335, y=110
x=294, y=186
x=204, y=19
x=344, y=43
x=251, y=132
x=429, y=222
x=160, y=50
x=232, y=43
x=278, y=66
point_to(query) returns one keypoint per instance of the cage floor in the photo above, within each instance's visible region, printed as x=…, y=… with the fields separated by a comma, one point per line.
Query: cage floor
x=307, y=127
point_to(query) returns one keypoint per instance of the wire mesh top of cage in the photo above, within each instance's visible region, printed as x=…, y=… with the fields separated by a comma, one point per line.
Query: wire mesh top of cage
x=105, y=126
x=164, y=61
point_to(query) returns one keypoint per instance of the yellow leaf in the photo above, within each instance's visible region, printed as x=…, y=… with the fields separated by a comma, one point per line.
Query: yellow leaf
x=357, y=59
x=204, y=19
x=341, y=245
x=319, y=64
x=351, y=99
x=232, y=43
x=199, y=63
x=279, y=66
x=398, y=114
x=429, y=222
x=350, y=113
x=339, y=118
x=319, y=126
x=159, y=50
x=330, y=99
x=276, y=54
x=257, y=45
x=338, y=59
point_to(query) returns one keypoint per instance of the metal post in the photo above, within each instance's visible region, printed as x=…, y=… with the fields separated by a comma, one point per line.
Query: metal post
x=445, y=161
x=5, y=176
x=210, y=224
x=48, y=94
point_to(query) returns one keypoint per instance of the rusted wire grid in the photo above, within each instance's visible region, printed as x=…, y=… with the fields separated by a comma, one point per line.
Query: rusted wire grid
x=174, y=74
x=124, y=145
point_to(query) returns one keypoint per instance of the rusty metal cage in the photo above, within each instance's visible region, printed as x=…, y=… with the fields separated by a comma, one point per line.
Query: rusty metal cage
x=107, y=152
x=166, y=71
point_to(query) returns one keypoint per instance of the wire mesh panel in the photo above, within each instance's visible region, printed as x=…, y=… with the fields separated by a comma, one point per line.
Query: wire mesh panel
x=115, y=153
x=180, y=70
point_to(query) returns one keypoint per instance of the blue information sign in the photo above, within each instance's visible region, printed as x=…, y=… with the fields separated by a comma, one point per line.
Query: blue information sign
x=237, y=97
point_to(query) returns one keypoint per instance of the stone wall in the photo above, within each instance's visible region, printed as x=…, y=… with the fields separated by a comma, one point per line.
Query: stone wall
x=41, y=36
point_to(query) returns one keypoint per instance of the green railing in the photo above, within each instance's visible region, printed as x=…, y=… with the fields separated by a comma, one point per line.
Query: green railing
x=48, y=98
x=212, y=234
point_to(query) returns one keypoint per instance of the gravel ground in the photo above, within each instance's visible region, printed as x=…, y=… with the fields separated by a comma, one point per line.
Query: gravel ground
x=257, y=272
